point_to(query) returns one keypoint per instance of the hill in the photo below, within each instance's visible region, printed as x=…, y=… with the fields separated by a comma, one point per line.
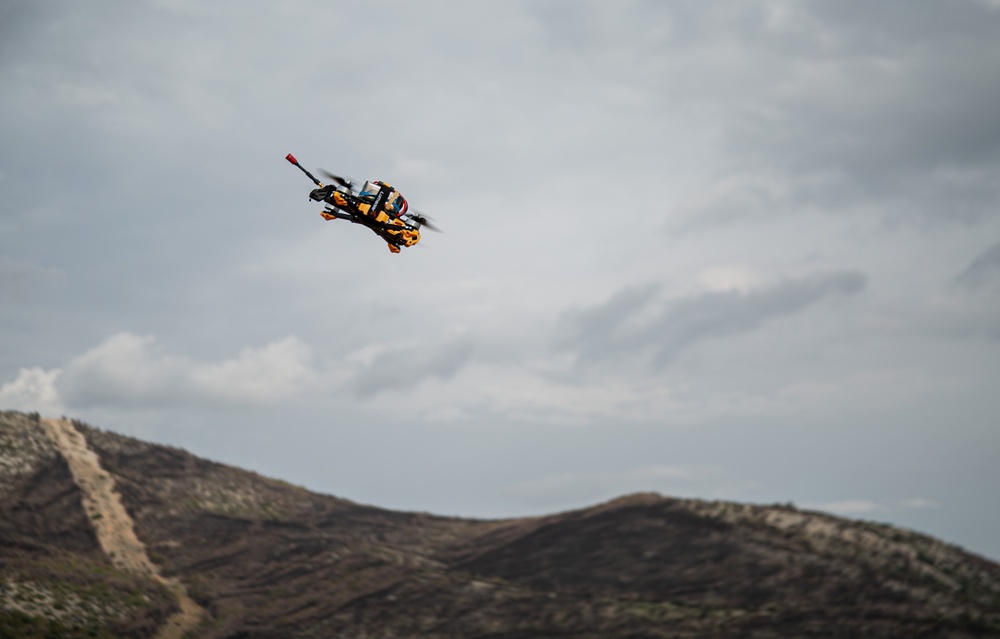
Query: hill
x=106, y=535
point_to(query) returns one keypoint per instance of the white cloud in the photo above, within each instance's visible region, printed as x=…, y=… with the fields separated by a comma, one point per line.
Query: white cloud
x=273, y=372
x=853, y=507
x=136, y=370
x=850, y=507
x=730, y=277
x=129, y=370
x=34, y=390
x=919, y=503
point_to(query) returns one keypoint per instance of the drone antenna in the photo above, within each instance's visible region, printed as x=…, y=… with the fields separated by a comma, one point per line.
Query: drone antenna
x=291, y=158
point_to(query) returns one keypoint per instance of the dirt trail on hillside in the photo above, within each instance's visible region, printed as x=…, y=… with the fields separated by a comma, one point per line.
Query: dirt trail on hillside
x=115, y=528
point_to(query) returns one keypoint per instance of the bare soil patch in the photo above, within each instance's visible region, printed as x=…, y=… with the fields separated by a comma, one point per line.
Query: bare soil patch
x=112, y=523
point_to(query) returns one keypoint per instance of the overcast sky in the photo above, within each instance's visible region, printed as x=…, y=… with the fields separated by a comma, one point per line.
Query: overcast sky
x=743, y=250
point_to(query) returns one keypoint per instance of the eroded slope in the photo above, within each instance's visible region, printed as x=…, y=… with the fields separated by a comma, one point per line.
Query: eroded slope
x=54, y=576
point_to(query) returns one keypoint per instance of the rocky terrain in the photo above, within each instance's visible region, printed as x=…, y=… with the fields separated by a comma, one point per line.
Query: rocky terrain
x=219, y=552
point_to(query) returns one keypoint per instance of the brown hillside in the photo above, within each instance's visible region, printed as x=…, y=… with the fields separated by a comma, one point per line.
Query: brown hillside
x=55, y=580
x=267, y=559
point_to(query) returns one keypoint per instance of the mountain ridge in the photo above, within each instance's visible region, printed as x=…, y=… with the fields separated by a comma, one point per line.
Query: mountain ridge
x=264, y=558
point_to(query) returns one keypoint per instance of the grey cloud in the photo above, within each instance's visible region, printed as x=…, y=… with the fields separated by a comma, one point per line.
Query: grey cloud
x=600, y=332
x=784, y=49
x=17, y=18
x=983, y=269
x=407, y=366
x=835, y=109
x=633, y=324
x=20, y=280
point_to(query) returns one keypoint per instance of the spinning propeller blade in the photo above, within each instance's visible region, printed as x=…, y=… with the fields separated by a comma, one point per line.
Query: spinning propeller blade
x=336, y=179
x=423, y=220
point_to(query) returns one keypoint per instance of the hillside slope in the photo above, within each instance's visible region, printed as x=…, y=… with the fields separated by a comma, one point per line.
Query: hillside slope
x=267, y=559
x=55, y=578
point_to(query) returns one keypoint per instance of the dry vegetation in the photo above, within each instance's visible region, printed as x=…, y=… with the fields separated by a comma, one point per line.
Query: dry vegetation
x=270, y=560
x=54, y=579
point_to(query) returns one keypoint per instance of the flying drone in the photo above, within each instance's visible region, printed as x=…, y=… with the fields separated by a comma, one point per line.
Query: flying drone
x=376, y=205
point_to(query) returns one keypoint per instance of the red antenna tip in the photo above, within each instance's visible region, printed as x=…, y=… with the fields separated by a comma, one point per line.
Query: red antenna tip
x=291, y=158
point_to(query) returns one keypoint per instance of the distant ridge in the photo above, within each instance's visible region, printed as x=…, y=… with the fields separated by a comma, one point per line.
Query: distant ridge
x=266, y=559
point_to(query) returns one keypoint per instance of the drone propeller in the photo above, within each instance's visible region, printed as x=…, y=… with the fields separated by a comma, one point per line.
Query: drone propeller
x=336, y=179
x=423, y=220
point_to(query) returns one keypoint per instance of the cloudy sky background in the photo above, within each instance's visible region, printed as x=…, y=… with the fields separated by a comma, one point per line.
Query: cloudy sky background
x=742, y=250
